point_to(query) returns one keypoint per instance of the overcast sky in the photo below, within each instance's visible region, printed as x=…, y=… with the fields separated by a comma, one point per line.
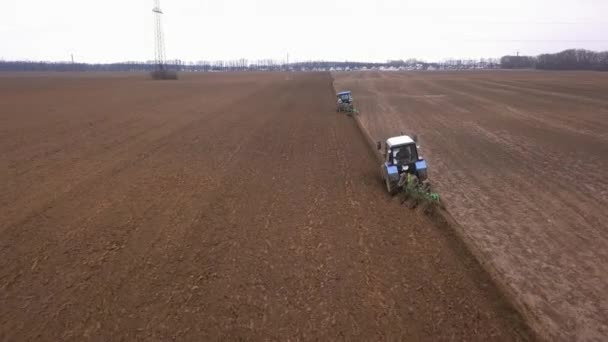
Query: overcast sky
x=364, y=30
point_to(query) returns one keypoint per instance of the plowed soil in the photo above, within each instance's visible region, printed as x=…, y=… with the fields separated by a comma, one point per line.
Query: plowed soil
x=521, y=161
x=219, y=206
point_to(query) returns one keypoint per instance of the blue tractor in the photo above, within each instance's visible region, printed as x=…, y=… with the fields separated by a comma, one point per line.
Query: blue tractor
x=402, y=163
x=345, y=102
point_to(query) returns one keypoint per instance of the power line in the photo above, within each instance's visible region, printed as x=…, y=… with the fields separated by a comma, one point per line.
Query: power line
x=540, y=40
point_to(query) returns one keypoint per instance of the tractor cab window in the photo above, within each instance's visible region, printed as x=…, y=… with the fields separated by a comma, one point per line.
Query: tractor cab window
x=345, y=98
x=404, y=155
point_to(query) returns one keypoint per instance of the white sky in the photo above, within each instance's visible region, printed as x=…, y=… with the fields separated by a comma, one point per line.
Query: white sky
x=363, y=30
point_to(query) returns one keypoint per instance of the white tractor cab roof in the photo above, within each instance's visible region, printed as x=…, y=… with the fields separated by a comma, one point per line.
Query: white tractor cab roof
x=398, y=141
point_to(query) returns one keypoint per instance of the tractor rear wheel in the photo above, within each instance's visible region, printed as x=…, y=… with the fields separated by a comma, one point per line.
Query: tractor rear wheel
x=390, y=188
x=422, y=175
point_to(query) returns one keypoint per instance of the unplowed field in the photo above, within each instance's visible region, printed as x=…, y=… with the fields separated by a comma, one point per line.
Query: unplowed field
x=219, y=206
x=521, y=161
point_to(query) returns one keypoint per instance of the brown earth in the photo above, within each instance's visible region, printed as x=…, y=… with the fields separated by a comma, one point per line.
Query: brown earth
x=219, y=206
x=520, y=159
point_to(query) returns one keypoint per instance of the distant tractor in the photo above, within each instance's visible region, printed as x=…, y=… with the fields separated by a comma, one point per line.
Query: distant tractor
x=402, y=163
x=345, y=102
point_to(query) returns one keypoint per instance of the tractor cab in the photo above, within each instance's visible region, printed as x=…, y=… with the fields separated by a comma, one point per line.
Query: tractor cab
x=401, y=158
x=345, y=102
x=345, y=97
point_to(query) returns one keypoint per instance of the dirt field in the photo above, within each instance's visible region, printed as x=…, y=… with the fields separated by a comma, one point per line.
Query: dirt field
x=520, y=159
x=219, y=206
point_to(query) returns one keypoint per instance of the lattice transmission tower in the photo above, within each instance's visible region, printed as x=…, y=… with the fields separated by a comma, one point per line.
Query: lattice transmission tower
x=161, y=70
x=159, y=44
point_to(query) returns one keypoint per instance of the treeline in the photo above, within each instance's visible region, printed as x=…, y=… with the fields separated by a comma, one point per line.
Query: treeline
x=272, y=65
x=565, y=60
x=518, y=62
x=573, y=59
x=258, y=65
x=67, y=66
